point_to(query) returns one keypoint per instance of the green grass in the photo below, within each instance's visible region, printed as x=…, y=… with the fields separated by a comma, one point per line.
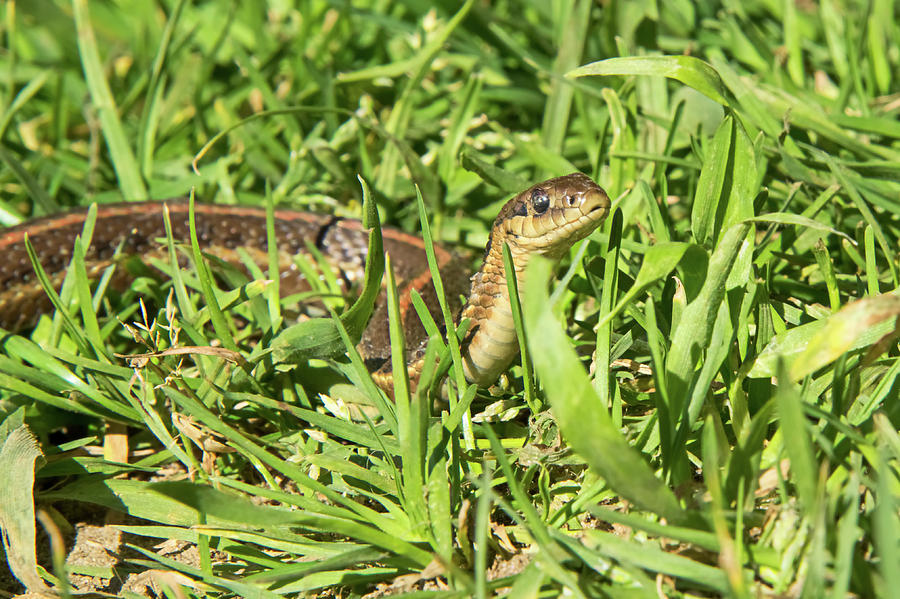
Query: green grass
x=753, y=154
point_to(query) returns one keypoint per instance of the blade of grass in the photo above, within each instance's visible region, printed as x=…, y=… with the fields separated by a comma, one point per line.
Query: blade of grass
x=796, y=439
x=119, y=150
x=19, y=457
x=728, y=550
x=571, y=42
x=886, y=522
x=37, y=193
x=516, y=307
x=460, y=122
x=411, y=421
x=586, y=426
x=155, y=88
x=692, y=335
x=655, y=560
x=536, y=527
x=22, y=97
x=689, y=70
x=398, y=120
x=609, y=287
x=452, y=340
x=319, y=337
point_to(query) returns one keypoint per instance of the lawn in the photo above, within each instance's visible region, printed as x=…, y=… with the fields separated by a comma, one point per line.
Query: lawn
x=707, y=404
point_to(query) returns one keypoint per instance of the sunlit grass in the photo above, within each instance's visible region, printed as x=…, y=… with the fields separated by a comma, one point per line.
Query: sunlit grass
x=718, y=373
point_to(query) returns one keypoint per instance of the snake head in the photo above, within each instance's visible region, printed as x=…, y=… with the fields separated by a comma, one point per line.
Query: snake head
x=550, y=217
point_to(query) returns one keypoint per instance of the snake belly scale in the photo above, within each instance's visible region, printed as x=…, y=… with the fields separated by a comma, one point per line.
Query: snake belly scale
x=545, y=219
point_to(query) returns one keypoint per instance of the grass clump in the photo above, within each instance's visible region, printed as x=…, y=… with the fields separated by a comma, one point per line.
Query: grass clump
x=715, y=410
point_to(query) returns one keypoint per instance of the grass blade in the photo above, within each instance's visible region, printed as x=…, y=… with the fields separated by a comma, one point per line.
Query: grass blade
x=19, y=453
x=586, y=425
x=119, y=150
x=689, y=70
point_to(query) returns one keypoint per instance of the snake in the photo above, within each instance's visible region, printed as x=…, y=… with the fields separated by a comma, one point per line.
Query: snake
x=546, y=219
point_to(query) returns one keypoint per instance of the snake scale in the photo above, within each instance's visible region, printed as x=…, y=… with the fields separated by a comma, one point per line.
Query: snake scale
x=545, y=219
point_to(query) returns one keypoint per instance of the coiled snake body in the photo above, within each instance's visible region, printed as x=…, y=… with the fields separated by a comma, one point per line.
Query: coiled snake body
x=545, y=219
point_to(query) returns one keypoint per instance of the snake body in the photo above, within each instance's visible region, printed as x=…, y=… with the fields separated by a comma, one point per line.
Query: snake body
x=545, y=219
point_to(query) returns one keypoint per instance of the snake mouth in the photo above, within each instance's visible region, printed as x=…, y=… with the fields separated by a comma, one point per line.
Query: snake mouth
x=593, y=200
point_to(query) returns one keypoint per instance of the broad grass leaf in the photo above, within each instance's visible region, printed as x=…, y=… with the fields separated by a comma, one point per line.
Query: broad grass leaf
x=313, y=338
x=695, y=327
x=886, y=524
x=711, y=182
x=690, y=339
x=584, y=421
x=880, y=30
x=784, y=218
x=437, y=492
x=796, y=438
x=209, y=502
x=655, y=559
x=809, y=347
x=356, y=318
x=50, y=373
x=19, y=451
x=507, y=182
x=727, y=183
x=659, y=261
x=189, y=504
x=527, y=584
x=319, y=337
x=717, y=352
x=692, y=268
x=136, y=498
x=742, y=180
x=689, y=70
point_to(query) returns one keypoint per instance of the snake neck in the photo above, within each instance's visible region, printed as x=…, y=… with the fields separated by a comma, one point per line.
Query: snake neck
x=491, y=344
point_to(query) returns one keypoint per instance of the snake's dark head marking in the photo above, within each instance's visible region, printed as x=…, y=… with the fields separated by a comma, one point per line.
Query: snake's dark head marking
x=550, y=217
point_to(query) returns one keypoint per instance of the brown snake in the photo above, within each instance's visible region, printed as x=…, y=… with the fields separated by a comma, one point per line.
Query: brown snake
x=545, y=219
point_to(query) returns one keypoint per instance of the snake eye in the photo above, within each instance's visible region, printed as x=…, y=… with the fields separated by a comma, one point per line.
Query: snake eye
x=540, y=201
